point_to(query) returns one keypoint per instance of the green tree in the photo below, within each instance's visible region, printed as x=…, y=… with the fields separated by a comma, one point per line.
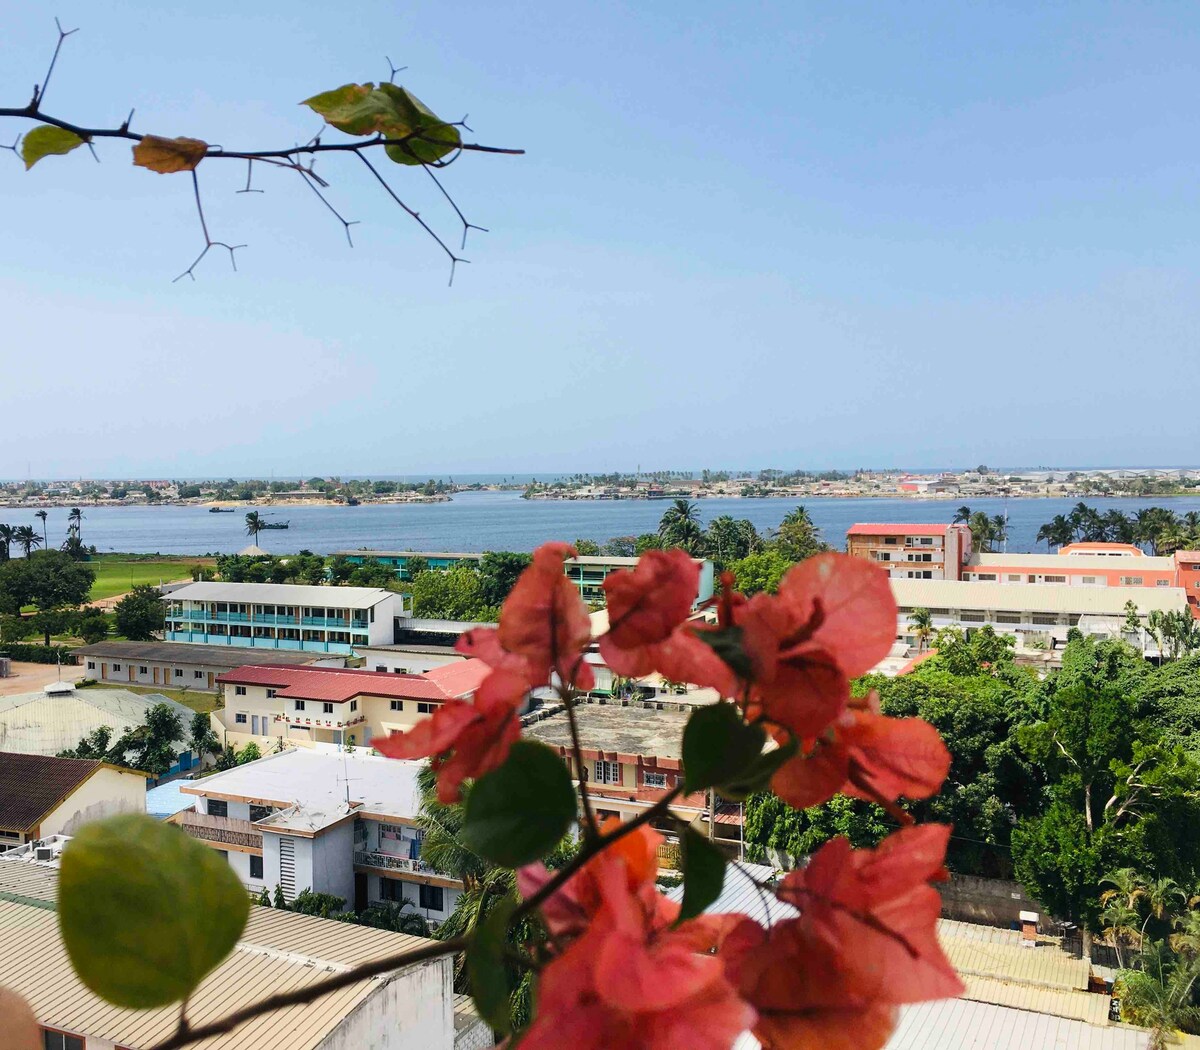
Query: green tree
x=797, y=537
x=42, y=516
x=680, y=527
x=647, y=541
x=92, y=628
x=27, y=539
x=761, y=571
x=250, y=753
x=587, y=548
x=455, y=594
x=620, y=547
x=201, y=736
x=254, y=524
x=51, y=581
x=140, y=614
x=371, y=573
x=498, y=572
x=1057, y=532
x=728, y=540
x=8, y=536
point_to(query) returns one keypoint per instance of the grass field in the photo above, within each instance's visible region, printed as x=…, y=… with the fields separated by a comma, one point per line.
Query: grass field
x=118, y=573
x=196, y=700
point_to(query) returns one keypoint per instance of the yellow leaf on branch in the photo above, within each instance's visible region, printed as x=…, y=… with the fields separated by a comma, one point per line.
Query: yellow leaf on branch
x=169, y=155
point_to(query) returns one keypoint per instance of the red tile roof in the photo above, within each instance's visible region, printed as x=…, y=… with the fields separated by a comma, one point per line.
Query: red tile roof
x=871, y=528
x=339, y=684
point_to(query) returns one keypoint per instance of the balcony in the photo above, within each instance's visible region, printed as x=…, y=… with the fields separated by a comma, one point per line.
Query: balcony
x=227, y=830
x=373, y=859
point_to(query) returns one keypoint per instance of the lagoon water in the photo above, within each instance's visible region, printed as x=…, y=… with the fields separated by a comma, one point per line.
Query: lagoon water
x=476, y=521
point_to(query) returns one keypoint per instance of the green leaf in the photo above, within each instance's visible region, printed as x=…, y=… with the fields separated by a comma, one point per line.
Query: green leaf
x=519, y=812
x=486, y=968
x=726, y=642
x=757, y=776
x=717, y=746
x=703, y=874
x=145, y=911
x=45, y=140
x=391, y=111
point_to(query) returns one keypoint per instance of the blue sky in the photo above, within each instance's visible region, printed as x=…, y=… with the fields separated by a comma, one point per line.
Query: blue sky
x=777, y=234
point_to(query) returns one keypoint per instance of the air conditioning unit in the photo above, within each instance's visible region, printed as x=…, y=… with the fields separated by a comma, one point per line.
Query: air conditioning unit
x=43, y=853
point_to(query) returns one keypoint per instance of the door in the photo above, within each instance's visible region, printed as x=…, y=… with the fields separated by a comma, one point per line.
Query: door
x=210, y=679
x=254, y=725
x=156, y=676
x=104, y=670
x=131, y=672
x=360, y=891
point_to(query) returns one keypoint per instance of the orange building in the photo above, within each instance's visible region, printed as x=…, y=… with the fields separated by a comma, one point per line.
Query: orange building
x=912, y=551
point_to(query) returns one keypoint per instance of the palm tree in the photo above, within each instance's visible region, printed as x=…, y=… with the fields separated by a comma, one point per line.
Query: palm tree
x=1158, y=995
x=254, y=524
x=982, y=532
x=1117, y=527
x=999, y=529
x=962, y=515
x=1057, y=532
x=1159, y=895
x=75, y=521
x=921, y=621
x=1119, y=923
x=27, y=539
x=680, y=526
x=45, y=539
x=8, y=536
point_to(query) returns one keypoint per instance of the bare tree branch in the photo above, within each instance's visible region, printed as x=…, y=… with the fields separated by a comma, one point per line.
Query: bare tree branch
x=38, y=95
x=208, y=241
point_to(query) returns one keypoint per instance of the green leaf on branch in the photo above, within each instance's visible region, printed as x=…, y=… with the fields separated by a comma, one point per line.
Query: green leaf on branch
x=519, y=812
x=46, y=140
x=145, y=911
x=726, y=642
x=393, y=112
x=757, y=776
x=486, y=966
x=703, y=874
x=718, y=746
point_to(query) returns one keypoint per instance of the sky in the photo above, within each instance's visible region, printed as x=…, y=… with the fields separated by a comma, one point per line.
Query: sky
x=743, y=234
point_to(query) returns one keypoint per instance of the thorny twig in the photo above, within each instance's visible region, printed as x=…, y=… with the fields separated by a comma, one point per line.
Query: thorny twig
x=208, y=241
x=287, y=158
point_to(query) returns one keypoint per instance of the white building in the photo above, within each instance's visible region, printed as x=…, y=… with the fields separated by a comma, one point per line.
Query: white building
x=331, y=822
x=1041, y=615
x=282, y=616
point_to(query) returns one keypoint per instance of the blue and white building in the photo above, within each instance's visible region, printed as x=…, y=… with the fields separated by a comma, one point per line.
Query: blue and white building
x=274, y=616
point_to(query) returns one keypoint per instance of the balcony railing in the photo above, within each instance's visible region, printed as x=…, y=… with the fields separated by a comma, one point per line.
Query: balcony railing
x=373, y=859
x=228, y=830
x=268, y=619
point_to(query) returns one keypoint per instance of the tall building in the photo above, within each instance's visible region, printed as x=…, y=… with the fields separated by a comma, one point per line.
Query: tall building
x=282, y=616
x=912, y=551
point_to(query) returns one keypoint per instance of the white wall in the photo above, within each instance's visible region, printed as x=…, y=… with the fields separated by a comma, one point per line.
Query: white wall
x=414, y=1010
x=104, y=794
x=332, y=861
x=414, y=663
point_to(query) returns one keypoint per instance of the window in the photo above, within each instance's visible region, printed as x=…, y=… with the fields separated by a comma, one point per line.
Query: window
x=240, y=718
x=270, y=694
x=391, y=889
x=1054, y=579
x=256, y=871
x=1162, y=583
x=425, y=709
x=607, y=772
x=260, y=812
x=1045, y=619
x=91, y=665
x=985, y=576
x=398, y=705
x=195, y=674
x=431, y=897
x=400, y=670
x=891, y=540
x=143, y=670
x=116, y=667
x=61, y=1040
x=654, y=780
x=971, y=617
x=380, y=667
x=239, y=690
x=178, y=672
x=353, y=705
x=218, y=807
x=299, y=705
x=327, y=708
x=1008, y=617
x=1089, y=581
x=1014, y=579
x=1126, y=581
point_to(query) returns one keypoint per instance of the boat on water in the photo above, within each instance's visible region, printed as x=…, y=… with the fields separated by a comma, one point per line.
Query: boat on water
x=220, y=510
x=274, y=525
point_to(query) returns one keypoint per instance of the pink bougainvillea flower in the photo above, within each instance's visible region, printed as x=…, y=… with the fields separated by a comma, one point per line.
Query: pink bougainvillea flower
x=629, y=979
x=869, y=756
x=464, y=739
x=834, y=618
x=876, y=914
x=645, y=606
x=546, y=621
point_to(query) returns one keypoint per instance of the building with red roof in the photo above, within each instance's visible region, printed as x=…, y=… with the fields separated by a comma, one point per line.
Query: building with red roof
x=271, y=704
x=914, y=551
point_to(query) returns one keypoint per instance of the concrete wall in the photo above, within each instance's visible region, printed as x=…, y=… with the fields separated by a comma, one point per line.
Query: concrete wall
x=332, y=862
x=172, y=675
x=104, y=794
x=411, y=663
x=993, y=902
x=414, y=1010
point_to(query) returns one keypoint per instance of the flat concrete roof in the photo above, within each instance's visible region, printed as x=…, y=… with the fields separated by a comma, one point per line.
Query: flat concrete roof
x=1033, y=597
x=608, y=727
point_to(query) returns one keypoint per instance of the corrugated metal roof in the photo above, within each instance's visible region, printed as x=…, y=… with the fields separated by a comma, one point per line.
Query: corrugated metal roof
x=1074, y=562
x=37, y=724
x=283, y=594
x=279, y=951
x=1046, y=597
x=20, y=879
